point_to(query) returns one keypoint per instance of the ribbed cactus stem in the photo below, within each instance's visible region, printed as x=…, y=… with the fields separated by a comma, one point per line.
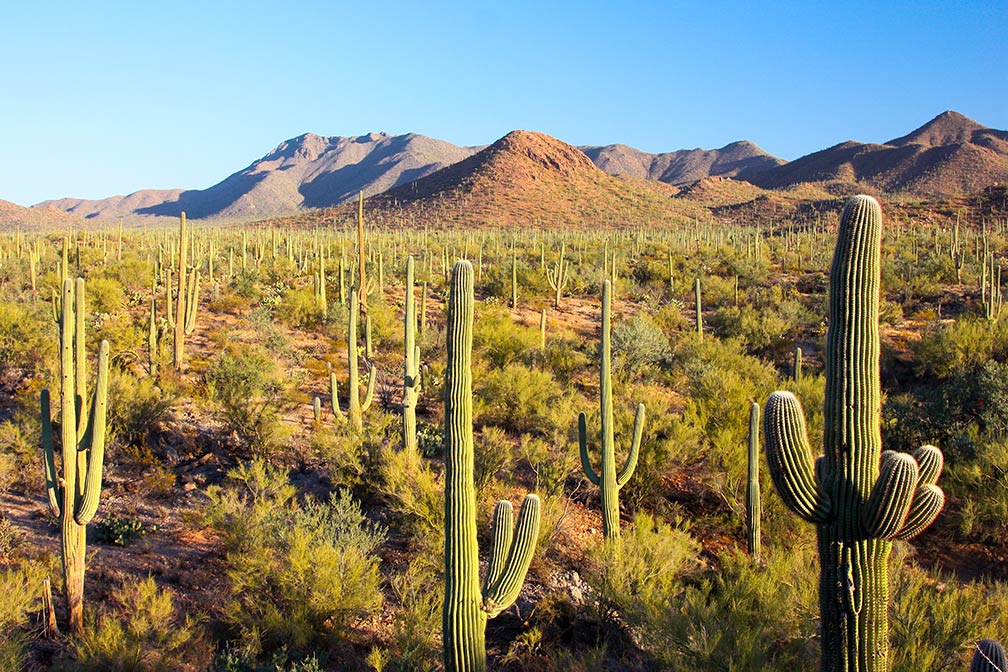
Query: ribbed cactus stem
x=179, y=318
x=989, y=656
x=609, y=481
x=74, y=497
x=859, y=497
x=753, y=507
x=797, y=366
x=699, y=309
x=466, y=606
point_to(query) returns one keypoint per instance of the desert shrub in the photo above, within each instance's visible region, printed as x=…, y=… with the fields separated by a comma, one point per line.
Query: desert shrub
x=745, y=617
x=27, y=338
x=500, y=339
x=564, y=359
x=19, y=451
x=416, y=623
x=639, y=579
x=120, y=531
x=935, y=620
x=761, y=330
x=137, y=405
x=20, y=591
x=492, y=453
x=638, y=345
x=246, y=382
x=297, y=308
x=415, y=494
x=139, y=631
x=105, y=295
x=981, y=485
x=522, y=400
x=300, y=575
x=961, y=346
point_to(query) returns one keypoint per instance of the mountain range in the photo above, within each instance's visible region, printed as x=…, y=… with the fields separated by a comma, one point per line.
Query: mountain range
x=948, y=155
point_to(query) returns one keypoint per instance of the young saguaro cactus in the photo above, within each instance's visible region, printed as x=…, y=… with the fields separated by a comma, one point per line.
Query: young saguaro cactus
x=354, y=406
x=859, y=497
x=73, y=498
x=557, y=276
x=609, y=482
x=466, y=606
x=989, y=657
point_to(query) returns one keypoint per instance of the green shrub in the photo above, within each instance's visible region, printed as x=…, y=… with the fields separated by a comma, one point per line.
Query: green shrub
x=638, y=345
x=522, y=401
x=140, y=631
x=20, y=591
x=300, y=575
x=27, y=338
x=136, y=406
x=500, y=340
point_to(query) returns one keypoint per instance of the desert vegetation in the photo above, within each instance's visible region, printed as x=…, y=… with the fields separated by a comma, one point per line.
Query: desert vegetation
x=295, y=445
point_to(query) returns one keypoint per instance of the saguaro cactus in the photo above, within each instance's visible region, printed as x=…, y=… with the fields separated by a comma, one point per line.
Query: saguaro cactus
x=354, y=406
x=753, y=506
x=859, y=497
x=411, y=365
x=74, y=497
x=609, y=482
x=699, y=309
x=989, y=657
x=557, y=275
x=466, y=606
x=182, y=319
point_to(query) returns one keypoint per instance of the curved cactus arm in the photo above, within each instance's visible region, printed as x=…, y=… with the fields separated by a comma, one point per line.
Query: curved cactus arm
x=192, y=304
x=94, y=442
x=503, y=531
x=583, y=446
x=930, y=461
x=631, y=463
x=789, y=458
x=888, y=504
x=334, y=396
x=369, y=395
x=928, y=502
x=504, y=590
x=53, y=487
x=989, y=657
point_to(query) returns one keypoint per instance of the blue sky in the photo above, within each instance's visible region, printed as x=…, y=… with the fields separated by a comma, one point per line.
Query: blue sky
x=106, y=98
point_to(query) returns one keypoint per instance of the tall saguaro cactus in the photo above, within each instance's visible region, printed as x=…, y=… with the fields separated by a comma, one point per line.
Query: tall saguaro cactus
x=411, y=365
x=354, y=406
x=182, y=319
x=859, y=497
x=73, y=498
x=608, y=481
x=466, y=606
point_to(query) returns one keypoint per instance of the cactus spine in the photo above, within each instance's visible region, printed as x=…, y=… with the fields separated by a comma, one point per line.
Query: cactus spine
x=74, y=497
x=609, y=482
x=354, y=406
x=859, y=497
x=989, y=657
x=411, y=373
x=466, y=607
x=753, y=507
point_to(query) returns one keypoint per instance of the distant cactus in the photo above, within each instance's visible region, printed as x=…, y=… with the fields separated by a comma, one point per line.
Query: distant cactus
x=753, y=505
x=557, y=276
x=73, y=498
x=859, y=497
x=411, y=364
x=797, y=366
x=466, y=606
x=609, y=482
x=699, y=309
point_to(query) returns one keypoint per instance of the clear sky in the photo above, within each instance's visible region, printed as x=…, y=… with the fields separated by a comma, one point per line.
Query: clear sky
x=105, y=98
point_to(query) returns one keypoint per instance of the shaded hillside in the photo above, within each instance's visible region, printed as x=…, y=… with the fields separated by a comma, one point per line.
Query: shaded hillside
x=532, y=179
x=951, y=154
x=738, y=159
x=309, y=171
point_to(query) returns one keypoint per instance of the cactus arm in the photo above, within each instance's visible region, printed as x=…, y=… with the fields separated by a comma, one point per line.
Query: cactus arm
x=753, y=508
x=503, y=533
x=583, y=445
x=930, y=461
x=789, y=458
x=94, y=440
x=887, y=507
x=334, y=396
x=504, y=590
x=192, y=304
x=53, y=487
x=631, y=463
x=369, y=395
x=927, y=503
